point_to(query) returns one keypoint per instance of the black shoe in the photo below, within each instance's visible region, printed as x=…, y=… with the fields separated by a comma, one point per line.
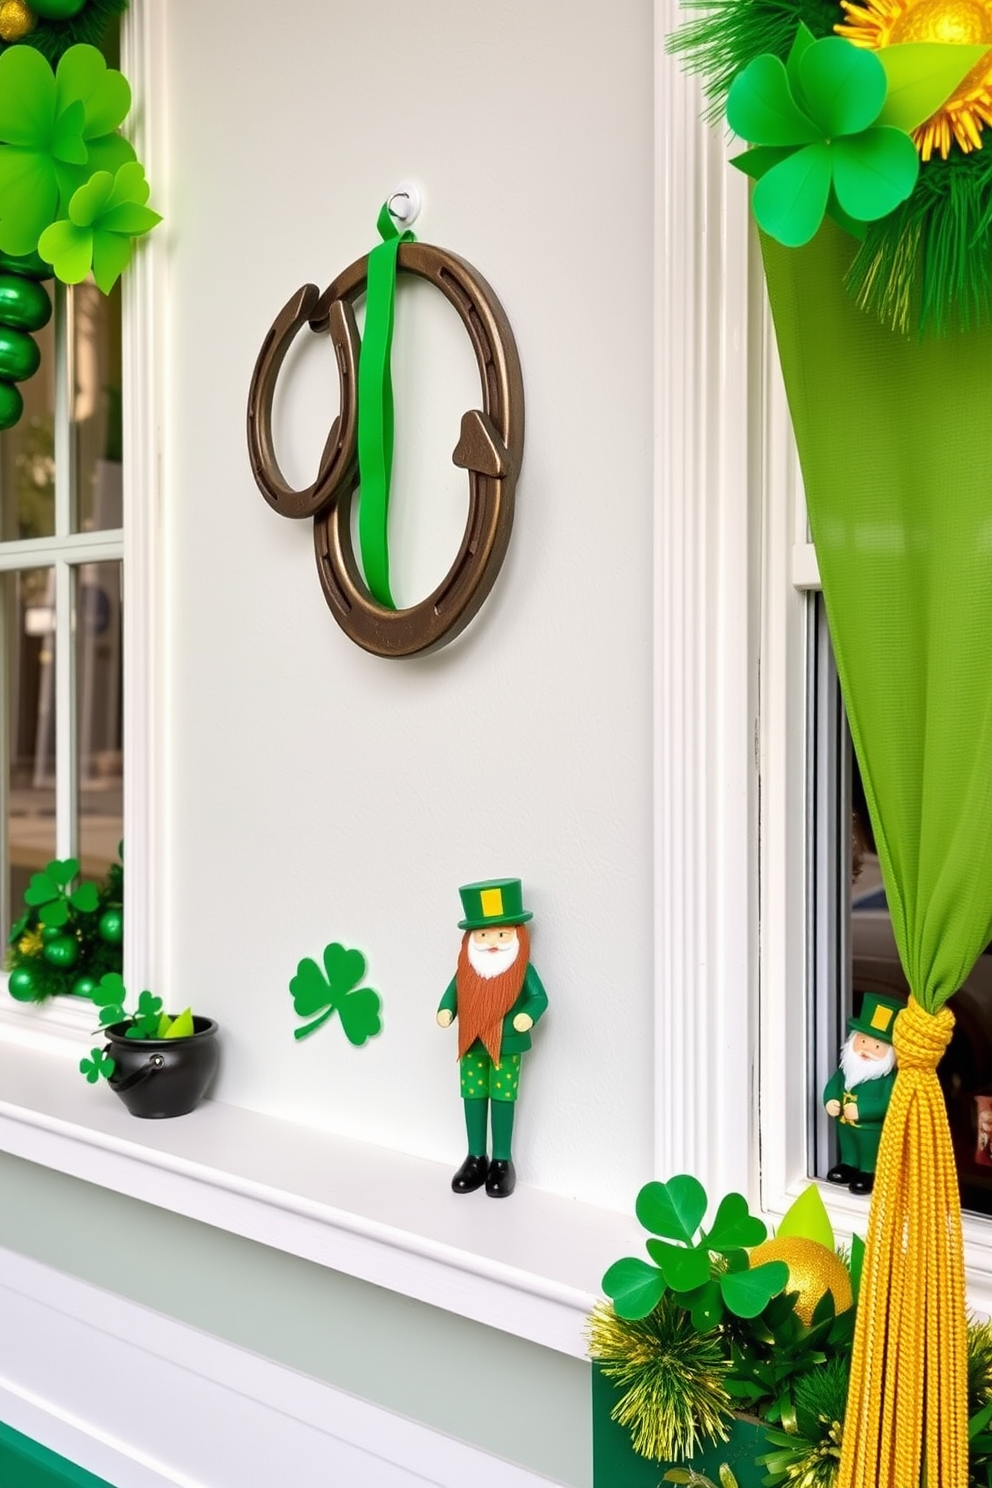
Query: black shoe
x=862, y=1183
x=471, y=1175
x=502, y=1179
x=842, y=1173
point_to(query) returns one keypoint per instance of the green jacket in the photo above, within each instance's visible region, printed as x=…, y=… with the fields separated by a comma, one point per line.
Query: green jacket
x=871, y=1097
x=532, y=1000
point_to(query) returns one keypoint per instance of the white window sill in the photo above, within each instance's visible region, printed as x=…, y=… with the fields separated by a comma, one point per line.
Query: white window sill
x=530, y=1267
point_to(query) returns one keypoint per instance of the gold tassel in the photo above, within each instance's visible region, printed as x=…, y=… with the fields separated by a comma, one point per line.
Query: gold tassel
x=907, y=1401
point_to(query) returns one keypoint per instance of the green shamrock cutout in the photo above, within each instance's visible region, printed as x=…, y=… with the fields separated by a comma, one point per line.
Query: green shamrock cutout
x=56, y=129
x=819, y=146
x=98, y=1064
x=684, y=1264
x=106, y=214
x=147, y=1020
x=109, y=994
x=336, y=990
x=48, y=891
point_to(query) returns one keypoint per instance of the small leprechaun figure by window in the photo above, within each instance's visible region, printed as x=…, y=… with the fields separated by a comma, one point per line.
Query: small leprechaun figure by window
x=858, y=1095
x=497, y=997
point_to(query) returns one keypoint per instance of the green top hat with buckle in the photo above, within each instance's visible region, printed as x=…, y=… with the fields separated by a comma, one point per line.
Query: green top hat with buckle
x=878, y=1014
x=498, y=901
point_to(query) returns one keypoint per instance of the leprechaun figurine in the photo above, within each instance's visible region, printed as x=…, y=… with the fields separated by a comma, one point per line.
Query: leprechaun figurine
x=858, y=1095
x=497, y=997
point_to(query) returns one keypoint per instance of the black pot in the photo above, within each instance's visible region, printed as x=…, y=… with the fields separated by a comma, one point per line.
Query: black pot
x=162, y=1077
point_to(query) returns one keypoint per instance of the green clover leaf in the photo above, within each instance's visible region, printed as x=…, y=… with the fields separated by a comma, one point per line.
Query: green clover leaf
x=674, y=1209
x=819, y=145
x=145, y=1022
x=99, y=1063
x=335, y=990
x=56, y=129
x=634, y=1287
x=748, y=1292
x=106, y=214
x=360, y=1015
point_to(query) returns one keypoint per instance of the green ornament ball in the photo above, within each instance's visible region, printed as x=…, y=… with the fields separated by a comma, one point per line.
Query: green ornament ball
x=20, y=357
x=112, y=926
x=51, y=932
x=84, y=986
x=24, y=304
x=20, y=984
x=11, y=405
x=62, y=953
x=57, y=10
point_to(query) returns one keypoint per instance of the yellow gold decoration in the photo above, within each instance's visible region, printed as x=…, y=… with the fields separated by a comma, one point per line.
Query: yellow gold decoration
x=16, y=20
x=492, y=902
x=31, y=943
x=813, y=1271
x=881, y=23
x=909, y=1367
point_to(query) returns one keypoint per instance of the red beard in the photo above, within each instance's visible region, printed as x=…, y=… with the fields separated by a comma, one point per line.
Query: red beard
x=483, y=1002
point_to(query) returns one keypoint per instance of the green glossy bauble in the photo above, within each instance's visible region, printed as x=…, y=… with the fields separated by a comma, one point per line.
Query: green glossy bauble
x=112, y=926
x=20, y=984
x=63, y=952
x=24, y=304
x=20, y=357
x=57, y=10
x=51, y=932
x=84, y=986
x=31, y=264
x=11, y=405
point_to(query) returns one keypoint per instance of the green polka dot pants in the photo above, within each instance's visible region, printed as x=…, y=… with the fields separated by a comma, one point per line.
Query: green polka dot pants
x=481, y=1079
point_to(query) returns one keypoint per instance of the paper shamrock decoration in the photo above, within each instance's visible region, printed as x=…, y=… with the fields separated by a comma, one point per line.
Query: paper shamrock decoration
x=336, y=990
x=683, y=1253
x=70, y=187
x=148, y=1021
x=815, y=123
x=49, y=893
x=105, y=216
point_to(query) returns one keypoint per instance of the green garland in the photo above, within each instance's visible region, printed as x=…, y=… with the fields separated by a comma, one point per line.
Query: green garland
x=67, y=938
x=927, y=266
x=52, y=38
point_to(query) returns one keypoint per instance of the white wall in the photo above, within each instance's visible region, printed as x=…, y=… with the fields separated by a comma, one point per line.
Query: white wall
x=316, y=793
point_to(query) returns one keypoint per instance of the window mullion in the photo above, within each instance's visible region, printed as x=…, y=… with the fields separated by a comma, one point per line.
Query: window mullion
x=66, y=760
x=65, y=454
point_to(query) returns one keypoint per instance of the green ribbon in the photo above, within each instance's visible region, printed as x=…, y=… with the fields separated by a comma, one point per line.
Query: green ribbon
x=375, y=408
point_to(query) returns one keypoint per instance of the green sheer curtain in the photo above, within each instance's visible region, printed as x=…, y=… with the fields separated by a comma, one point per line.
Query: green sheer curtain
x=895, y=441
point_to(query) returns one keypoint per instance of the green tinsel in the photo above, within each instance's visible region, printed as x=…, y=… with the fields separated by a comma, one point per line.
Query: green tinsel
x=929, y=263
x=52, y=38
x=672, y=1376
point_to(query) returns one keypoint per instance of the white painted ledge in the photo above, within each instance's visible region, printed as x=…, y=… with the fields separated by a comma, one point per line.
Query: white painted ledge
x=530, y=1266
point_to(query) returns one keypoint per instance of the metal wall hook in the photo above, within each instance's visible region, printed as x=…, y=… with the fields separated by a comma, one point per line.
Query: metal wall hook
x=405, y=203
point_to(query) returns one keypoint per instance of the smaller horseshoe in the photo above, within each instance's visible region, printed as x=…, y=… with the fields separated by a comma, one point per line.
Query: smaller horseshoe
x=340, y=449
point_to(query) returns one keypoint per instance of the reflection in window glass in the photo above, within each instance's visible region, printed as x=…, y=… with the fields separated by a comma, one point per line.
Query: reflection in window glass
x=28, y=659
x=27, y=454
x=98, y=722
x=96, y=376
x=865, y=960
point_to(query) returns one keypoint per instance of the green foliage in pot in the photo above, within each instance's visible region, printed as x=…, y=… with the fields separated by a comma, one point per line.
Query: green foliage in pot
x=148, y=1021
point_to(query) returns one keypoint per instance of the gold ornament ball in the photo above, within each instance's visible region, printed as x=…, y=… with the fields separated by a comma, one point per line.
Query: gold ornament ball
x=16, y=20
x=813, y=1270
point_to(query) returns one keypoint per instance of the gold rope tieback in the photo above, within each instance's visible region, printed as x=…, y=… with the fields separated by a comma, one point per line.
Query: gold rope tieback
x=907, y=1401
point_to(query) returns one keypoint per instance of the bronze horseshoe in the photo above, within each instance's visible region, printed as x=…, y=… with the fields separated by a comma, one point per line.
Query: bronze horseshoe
x=490, y=448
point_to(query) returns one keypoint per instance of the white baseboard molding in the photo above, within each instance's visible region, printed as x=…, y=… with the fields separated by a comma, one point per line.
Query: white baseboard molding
x=146, y=1402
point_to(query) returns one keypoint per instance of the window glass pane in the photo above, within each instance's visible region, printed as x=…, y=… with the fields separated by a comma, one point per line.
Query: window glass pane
x=28, y=658
x=27, y=453
x=98, y=715
x=96, y=407
x=855, y=955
